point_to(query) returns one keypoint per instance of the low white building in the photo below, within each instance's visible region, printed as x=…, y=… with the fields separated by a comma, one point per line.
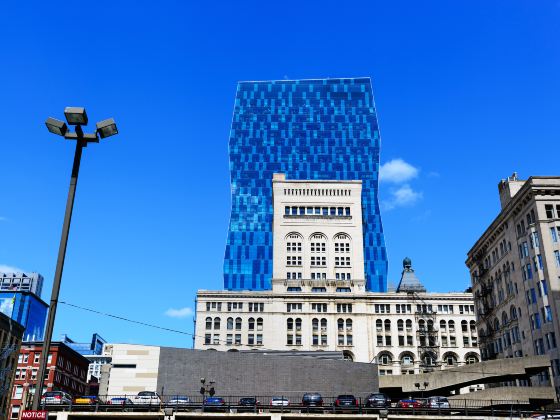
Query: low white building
x=134, y=368
x=319, y=301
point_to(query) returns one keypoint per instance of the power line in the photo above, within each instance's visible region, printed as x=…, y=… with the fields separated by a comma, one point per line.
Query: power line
x=127, y=319
x=145, y=324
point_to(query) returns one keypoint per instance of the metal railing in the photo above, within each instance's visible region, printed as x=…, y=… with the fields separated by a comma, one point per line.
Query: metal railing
x=294, y=403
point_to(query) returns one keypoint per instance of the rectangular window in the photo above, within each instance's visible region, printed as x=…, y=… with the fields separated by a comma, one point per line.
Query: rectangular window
x=549, y=209
x=14, y=414
x=229, y=339
x=259, y=339
x=18, y=392
x=554, y=234
x=557, y=258
x=547, y=314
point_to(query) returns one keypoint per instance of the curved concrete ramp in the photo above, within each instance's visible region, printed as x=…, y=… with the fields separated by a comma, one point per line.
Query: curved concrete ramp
x=444, y=381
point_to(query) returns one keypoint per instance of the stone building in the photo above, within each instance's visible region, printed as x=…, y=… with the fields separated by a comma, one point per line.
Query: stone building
x=515, y=273
x=319, y=299
x=66, y=371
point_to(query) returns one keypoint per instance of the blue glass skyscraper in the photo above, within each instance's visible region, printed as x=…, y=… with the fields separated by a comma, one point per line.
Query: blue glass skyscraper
x=308, y=129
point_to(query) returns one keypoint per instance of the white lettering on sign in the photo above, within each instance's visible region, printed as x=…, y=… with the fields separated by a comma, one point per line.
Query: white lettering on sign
x=34, y=414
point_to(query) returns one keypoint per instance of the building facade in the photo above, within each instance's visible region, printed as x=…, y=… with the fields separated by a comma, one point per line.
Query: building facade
x=27, y=309
x=320, y=300
x=10, y=341
x=177, y=371
x=515, y=273
x=66, y=371
x=20, y=299
x=21, y=282
x=404, y=333
x=309, y=130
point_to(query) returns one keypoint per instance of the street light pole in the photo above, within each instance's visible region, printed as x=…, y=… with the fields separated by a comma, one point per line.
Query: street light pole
x=74, y=116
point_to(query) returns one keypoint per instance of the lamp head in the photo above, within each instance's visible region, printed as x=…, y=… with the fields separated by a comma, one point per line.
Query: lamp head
x=56, y=126
x=76, y=115
x=107, y=128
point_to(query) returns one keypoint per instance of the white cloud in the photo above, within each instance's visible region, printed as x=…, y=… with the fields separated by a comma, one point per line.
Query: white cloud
x=3, y=219
x=10, y=269
x=401, y=197
x=179, y=313
x=397, y=171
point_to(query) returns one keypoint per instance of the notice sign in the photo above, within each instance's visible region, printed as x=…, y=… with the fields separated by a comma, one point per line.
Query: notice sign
x=34, y=414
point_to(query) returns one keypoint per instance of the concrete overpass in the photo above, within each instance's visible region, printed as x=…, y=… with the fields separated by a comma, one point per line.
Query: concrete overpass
x=442, y=382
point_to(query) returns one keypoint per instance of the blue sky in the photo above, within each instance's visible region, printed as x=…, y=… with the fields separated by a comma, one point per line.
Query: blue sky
x=466, y=92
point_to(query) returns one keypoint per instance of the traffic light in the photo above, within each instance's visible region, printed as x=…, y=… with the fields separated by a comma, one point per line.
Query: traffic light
x=212, y=392
x=202, y=390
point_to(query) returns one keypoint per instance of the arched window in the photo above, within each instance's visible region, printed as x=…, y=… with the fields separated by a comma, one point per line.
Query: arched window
x=450, y=359
x=504, y=318
x=216, y=323
x=349, y=324
x=290, y=324
x=230, y=323
x=324, y=324
x=451, y=326
x=208, y=323
x=512, y=312
x=472, y=326
x=259, y=324
x=408, y=323
x=431, y=325
x=496, y=324
x=318, y=243
x=442, y=325
x=385, y=358
x=464, y=326
x=348, y=355
x=400, y=325
x=315, y=324
x=407, y=359
x=471, y=358
x=379, y=325
x=293, y=242
x=387, y=325
x=251, y=324
x=237, y=323
x=422, y=325
x=340, y=324
x=298, y=324
x=341, y=243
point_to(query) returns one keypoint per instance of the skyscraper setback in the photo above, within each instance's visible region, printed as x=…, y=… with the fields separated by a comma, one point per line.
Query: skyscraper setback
x=323, y=129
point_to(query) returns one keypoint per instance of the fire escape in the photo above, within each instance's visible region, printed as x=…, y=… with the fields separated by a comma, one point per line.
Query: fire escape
x=485, y=304
x=426, y=334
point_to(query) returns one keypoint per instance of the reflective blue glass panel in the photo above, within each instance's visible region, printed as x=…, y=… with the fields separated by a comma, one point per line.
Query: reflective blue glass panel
x=308, y=129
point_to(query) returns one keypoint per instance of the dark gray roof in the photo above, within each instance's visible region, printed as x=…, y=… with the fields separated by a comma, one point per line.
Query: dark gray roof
x=409, y=282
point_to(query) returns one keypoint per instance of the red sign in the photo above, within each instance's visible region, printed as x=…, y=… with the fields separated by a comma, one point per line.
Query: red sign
x=34, y=414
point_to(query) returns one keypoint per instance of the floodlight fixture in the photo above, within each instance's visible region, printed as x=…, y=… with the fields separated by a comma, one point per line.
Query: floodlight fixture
x=56, y=126
x=76, y=115
x=107, y=128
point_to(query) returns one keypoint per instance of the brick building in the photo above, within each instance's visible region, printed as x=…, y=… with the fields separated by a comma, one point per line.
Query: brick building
x=67, y=371
x=10, y=341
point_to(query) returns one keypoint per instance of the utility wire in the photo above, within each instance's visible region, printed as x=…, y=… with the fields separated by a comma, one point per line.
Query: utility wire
x=127, y=319
x=145, y=324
